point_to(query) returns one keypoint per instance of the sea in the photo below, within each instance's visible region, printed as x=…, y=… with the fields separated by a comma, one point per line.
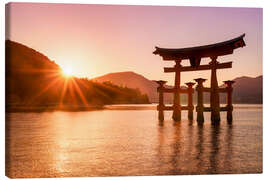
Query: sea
x=129, y=140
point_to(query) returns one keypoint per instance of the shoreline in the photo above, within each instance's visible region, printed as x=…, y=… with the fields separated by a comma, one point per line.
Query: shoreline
x=15, y=109
x=18, y=109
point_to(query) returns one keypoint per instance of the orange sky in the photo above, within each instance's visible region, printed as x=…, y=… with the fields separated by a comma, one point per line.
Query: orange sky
x=93, y=40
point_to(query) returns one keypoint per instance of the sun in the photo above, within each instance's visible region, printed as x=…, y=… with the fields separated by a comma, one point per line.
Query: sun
x=67, y=71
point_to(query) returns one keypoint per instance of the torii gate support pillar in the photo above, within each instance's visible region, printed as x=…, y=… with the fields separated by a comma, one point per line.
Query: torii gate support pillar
x=161, y=105
x=200, y=108
x=214, y=97
x=229, y=100
x=190, y=100
x=176, y=101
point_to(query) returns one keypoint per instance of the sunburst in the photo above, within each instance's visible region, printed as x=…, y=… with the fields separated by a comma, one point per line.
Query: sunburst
x=67, y=72
x=67, y=82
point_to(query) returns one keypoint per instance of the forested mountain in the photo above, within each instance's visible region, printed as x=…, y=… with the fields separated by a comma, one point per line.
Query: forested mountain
x=32, y=79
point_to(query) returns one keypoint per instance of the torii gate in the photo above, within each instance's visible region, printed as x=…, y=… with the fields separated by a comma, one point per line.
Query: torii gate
x=194, y=55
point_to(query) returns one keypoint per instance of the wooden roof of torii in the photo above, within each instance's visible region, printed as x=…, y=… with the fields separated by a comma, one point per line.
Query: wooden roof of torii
x=194, y=53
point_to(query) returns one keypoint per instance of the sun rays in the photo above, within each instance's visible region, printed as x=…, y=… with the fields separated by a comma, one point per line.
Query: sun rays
x=60, y=89
x=79, y=92
x=67, y=86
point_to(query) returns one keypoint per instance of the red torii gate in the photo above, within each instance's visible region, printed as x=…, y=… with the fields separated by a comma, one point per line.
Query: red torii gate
x=194, y=55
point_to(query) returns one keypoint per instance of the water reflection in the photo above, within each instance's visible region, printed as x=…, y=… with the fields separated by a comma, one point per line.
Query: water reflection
x=161, y=123
x=203, y=153
x=161, y=155
x=215, y=146
x=190, y=134
x=229, y=146
x=177, y=149
x=200, y=147
x=131, y=143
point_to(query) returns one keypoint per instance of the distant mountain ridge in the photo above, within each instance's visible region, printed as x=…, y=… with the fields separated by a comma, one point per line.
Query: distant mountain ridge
x=246, y=89
x=132, y=80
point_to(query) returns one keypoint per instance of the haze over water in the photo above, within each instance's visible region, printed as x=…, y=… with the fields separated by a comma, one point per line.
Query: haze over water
x=132, y=142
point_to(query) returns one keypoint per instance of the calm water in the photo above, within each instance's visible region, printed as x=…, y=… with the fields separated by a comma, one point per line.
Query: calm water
x=126, y=142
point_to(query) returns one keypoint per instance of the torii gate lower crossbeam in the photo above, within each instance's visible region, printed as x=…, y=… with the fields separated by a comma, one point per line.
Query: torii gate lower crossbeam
x=161, y=107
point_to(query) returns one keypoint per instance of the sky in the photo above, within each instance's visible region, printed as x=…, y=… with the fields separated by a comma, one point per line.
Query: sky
x=94, y=40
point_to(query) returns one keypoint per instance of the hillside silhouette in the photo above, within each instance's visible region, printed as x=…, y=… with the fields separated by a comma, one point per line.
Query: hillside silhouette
x=33, y=80
x=247, y=90
x=132, y=80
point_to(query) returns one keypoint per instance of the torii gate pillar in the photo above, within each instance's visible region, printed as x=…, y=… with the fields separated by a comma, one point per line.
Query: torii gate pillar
x=161, y=105
x=176, y=99
x=190, y=100
x=214, y=97
x=229, y=100
x=200, y=108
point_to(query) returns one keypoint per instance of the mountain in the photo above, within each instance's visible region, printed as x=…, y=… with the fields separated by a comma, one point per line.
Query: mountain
x=246, y=89
x=33, y=80
x=131, y=80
